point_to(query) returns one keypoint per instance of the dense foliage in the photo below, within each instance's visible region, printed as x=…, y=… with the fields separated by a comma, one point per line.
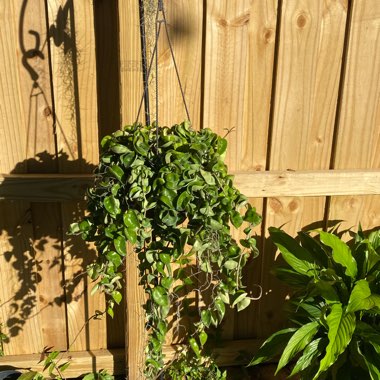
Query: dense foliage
x=167, y=192
x=335, y=306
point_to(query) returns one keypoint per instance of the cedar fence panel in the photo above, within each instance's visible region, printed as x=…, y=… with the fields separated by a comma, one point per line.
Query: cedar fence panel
x=295, y=82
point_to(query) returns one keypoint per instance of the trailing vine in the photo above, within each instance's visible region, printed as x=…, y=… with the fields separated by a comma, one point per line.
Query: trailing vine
x=167, y=192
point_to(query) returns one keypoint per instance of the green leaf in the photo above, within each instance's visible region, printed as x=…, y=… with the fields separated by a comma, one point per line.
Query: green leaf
x=208, y=177
x=194, y=346
x=222, y=146
x=251, y=216
x=272, y=346
x=165, y=258
x=206, y=317
x=244, y=303
x=110, y=311
x=230, y=264
x=112, y=205
x=203, y=338
x=131, y=234
x=372, y=361
x=341, y=252
x=361, y=298
x=368, y=333
x=114, y=258
x=299, y=340
x=236, y=219
x=119, y=149
x=220, y=308
x=160, y=296
x=131, y=220
x=62, y=367
x=28, y=375
x=183, y=200
x=117, y=296
x=117, y=172
x=291, y=277
x=120, y=245
x=341, y=327
x=296, y=256
x=311, y=352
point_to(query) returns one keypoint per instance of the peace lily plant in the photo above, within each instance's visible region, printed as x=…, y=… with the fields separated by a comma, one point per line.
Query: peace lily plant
x=335, y=307
x=167, y=192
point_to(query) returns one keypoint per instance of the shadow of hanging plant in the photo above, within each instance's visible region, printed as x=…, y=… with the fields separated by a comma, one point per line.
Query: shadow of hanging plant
x=25, y=238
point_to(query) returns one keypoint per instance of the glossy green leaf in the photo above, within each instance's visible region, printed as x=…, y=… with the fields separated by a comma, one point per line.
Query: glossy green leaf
x=208, y=177
x=194, y=346
x=243, y=304
x=114, y=258
x=117, y=172
x=361, y=297
x=341, y=252
x=296, y=256
x=112, y=205
x=116, y=295
x=28, y=375
x=341, y=327
x=236, y=219
x=220, y=308
x=272, y=346
x=131, y=234
x=230, y=264
x=203, y=338
x=299, y=340
x=251, y=216
x=160, y=296
x=120, y=245
x=312, y=351
x=130, y=219
x=119, y=149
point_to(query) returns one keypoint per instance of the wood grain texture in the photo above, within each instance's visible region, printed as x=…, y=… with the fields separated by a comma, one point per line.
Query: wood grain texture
x=135, y=334
x=358, y=138
x=30, y=81
x=131, y=80
x=307, y=81
x=19, y=312
x=72, y=45
x=184, y=21
x=238, y=65
x=82, y=362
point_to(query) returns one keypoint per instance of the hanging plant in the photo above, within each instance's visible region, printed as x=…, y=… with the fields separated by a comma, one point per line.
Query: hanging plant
x=167, y=192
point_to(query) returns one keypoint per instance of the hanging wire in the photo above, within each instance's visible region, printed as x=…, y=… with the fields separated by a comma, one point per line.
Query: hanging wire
x=144, y=61
x=154, y=57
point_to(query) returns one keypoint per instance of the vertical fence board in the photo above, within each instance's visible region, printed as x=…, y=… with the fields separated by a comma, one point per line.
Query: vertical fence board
x=184, y=21
x=358, y=139
x=30, y=86
x=71, y=30
x=131, y=89
x=308, y=72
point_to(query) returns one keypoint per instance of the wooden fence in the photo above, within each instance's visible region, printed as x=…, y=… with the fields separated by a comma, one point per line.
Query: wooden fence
x=297, y=81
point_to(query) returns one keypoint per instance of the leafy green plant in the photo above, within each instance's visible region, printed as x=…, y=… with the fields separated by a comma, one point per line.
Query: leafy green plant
x=167, y=192
x=335, y=306
x=52, y=365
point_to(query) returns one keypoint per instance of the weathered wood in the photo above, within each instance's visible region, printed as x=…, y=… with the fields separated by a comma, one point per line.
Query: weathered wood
x=81, y=363
x=135, y=334
x=28, y=138
x=72, y=46
x=274, y=183
x=114, y=360
x=358, y=137
x=311, y=41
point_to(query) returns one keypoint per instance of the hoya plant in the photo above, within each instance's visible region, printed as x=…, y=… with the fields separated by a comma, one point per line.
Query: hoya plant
x=335, y=306
x=167, y=192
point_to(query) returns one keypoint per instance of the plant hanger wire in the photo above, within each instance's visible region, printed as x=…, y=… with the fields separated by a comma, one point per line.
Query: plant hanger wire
x=160, y=20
